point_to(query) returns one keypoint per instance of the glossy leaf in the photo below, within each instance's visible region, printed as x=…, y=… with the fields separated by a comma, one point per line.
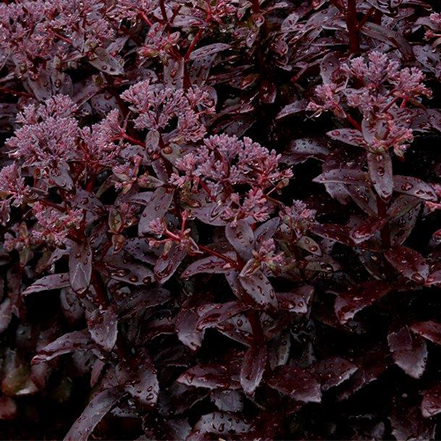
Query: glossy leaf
x=408, y=351
x=331, y=372
x=103, y=327
x=297, y=383
x=429, y=330
x=414, y=187
x=48, y=283
x=409, y=263
x=241, y=237
x=259, y=288
x=80, y=266
x=380, y=171
x=155, y=208
x=253, y=368
x=357, y=298
x=67, y=343
x=94, y=412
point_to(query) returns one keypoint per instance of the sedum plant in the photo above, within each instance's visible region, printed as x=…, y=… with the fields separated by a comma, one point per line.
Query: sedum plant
x=220, y=219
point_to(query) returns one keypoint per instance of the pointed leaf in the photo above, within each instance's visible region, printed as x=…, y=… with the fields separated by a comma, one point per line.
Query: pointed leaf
x=298, y=383
x=430, y=330
x=241, y=237
x=155, y=208
x=47, y=283
x=259, y=288
x=168, y=263
x=139, y=379
x=357, y=298
x=208, y=50
x=209, y=265
x=209, y=376
x=296, y=300
x=380, y=171
x=331, y=372
x=103, y=327
x=414, y=187
x=67, y=343
x=409, y=263
x=408, y=351
x=348, y=136
x=343, y=176
x=80, y=266
x=215, y=314
x=253, y=368
x=106, y=62
x=95, y=411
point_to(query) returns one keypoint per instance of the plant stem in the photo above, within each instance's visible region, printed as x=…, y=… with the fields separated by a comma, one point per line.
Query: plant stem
x=385, y=230
x=352, y=24
x=216, y=254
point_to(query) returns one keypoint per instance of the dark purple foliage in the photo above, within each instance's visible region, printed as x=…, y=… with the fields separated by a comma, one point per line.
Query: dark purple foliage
x=220, y=219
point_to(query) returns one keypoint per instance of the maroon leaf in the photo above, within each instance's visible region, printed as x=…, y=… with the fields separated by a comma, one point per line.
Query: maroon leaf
x=168, y=263
x=308, y=244
x=337, y=233
x=253, y=368
x=389, y=36
x=94, y=412
x=228, y=400
x=302, y=149
x=208, y=50
x=215, y=314
x=293, y=108
x=103, y=327
x=357, y=298
x=241, y=237
x=186, y=328
x=343, y=176
x=333, y=371
x=47, y=283
x=209, y=265
x=408, y=351
x=409, y=263
x=209, y=376
x=138, y=377
x=156, y=208
x=67, y=343
x=80, y=266
x=296, y=300
x=219, y=424
x=380, y=171
x=348, y=136
x=366, y=230
x=259, y=288
x=105, y=62
x=72, y=308
x=430, y=330
x=431, y=404
x=414, y=187
x=267, y=230
x=297, y=383
x=402, y=227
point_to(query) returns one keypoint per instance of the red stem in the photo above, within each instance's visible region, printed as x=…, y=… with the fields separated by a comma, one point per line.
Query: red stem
x=385, y=231
x=255, y=5
x=352, y=24
x=216, y=254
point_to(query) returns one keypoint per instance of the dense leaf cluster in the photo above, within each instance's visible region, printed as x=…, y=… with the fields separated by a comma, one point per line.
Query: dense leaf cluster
x=220, y=219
